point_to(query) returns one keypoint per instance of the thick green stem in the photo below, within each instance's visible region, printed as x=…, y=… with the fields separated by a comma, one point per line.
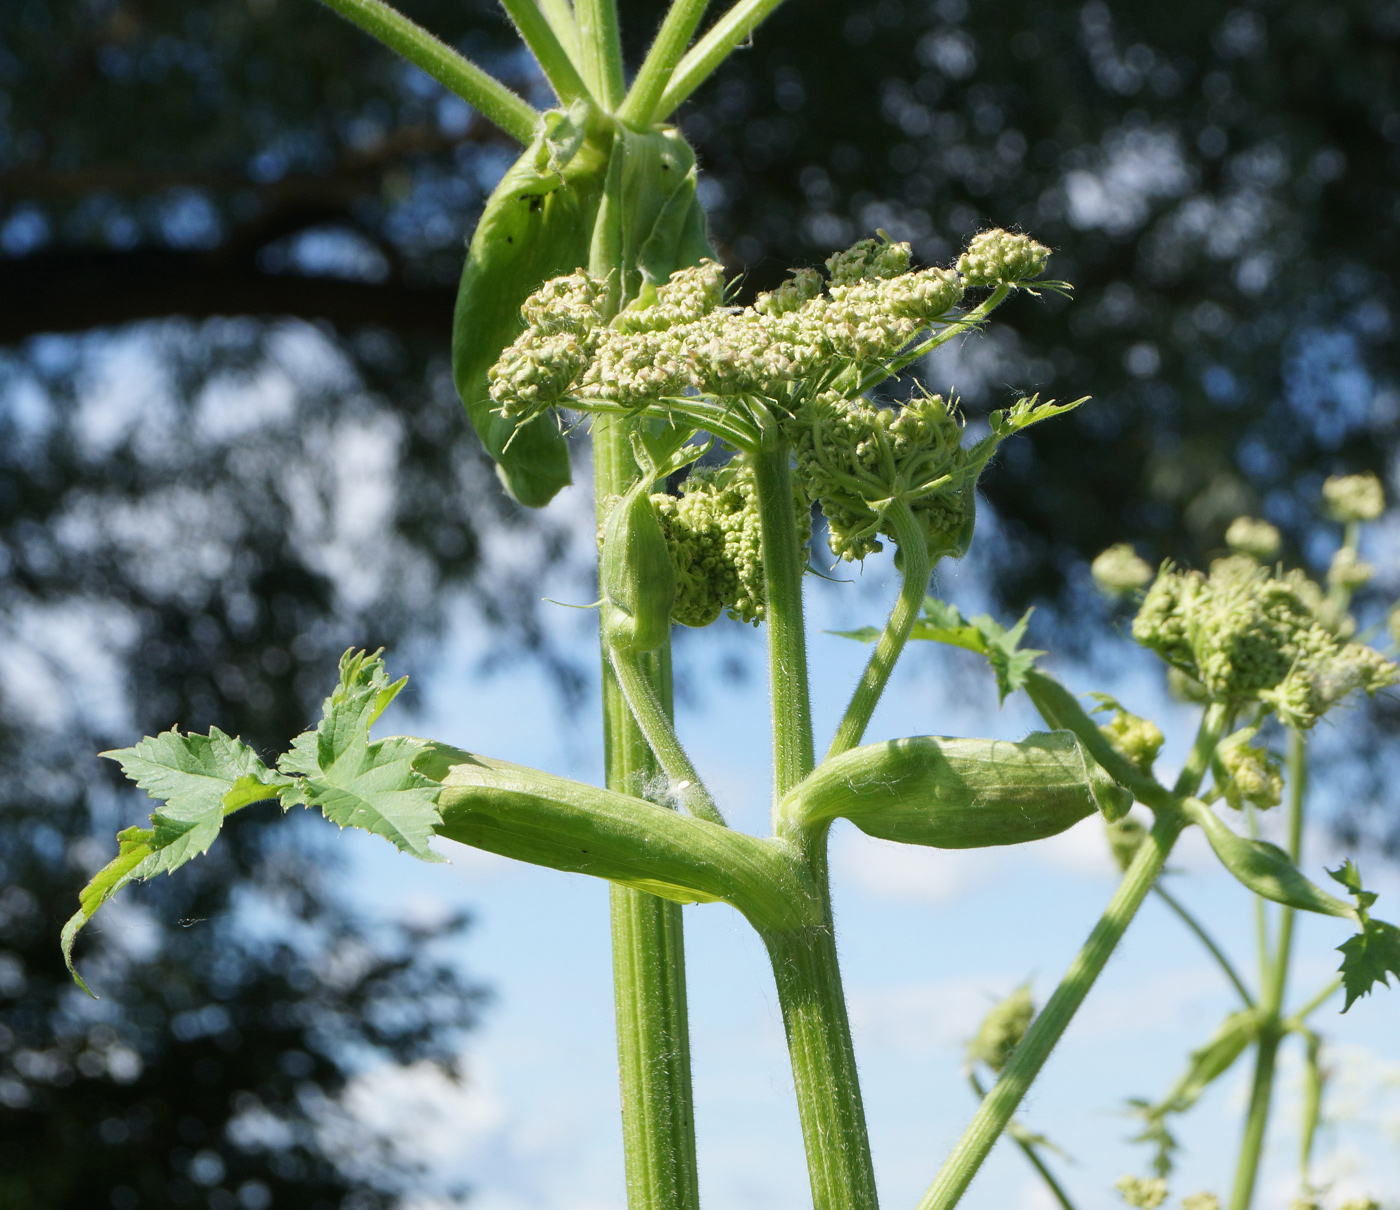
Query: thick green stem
x=1271, y=1000
x=666, y=51
x=823, y=1059
x=653, y=1051
x=729, y=32
x=914, y=554
x=560, y=15
x=492, y=99
x=658, y=1115
x=1205, y=939
x=1046, y=1030
x=600, y=48
x=783, y=564
x=661, y=736
x=1029, y=1150
x=553, y=59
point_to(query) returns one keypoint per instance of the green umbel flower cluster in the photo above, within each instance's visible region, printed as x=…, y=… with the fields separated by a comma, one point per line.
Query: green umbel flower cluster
x=682, y=339
x=854, y=458
x=1002, y=1029
x=712, y=532
x=1139, y=739
x=1119, y=570
x=1354, y=497
x=1248, y=774
x=1249, y=536
x=1246, y=633
x=1001, y=258
x=1142, y=1192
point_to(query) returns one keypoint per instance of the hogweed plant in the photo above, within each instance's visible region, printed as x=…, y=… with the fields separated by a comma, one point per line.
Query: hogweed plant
x=590, y=298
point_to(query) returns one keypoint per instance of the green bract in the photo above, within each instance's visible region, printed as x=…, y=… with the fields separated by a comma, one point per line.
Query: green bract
x=637, y=577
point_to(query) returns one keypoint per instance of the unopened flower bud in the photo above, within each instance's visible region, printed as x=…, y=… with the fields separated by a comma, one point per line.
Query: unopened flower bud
x=1348, y=571
x=868, y=258
x=1142, y=1192
x=801, y=287
x=1002, y=1029
x=1250, y=536
x=1139, y=739
x=1125, y=837
x=638, y=579
x=1251, y=774
x=1119, y=571
x=1354, y=497
x=997, y=258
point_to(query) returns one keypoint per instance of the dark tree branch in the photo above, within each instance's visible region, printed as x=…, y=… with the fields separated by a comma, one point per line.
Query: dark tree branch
x=74, y=291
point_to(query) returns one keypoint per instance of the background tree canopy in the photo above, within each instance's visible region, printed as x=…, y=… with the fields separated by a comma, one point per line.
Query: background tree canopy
x=203, y=205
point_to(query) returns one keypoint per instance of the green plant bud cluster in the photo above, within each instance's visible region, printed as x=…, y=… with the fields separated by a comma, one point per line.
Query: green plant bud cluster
x=1119, y=570
x=1002, y=1029
x=854, y=457
x=681, y=338
x=1143, y=1192
x=1001, y=258
x=712, y=533
x=1246, y=632
x=1200, y=1201
x=563, y=327
x=1354, y=497
x=1250, y=774
x=868, y=258
x=1125, y=838
x=1348, y=572
x=1250, y=536
x=1139, y=739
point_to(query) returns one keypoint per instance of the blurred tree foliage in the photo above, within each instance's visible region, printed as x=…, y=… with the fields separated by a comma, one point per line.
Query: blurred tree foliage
x=198, y=513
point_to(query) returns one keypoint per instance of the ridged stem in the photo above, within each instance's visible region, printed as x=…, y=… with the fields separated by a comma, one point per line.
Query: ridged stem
x=544, y=44
x=1028, y=1149
x=487, y=95
x=656, y=725
x=783, y=564
x=653, y=1041
x=1271, y=1030
x=914, y=555
x=667, y=49
x=822, y=1057
x=729, y=32
x=600, y=49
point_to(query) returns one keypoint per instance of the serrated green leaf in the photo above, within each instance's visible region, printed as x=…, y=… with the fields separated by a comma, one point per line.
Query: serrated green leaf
x=1368, y=958
x=863, y=634
x=1350, y=877
x=361, y=784
x=199, y=779
x=1012, y=664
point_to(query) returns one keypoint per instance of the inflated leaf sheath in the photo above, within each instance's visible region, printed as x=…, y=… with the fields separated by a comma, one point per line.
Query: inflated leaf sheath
x=959, y=793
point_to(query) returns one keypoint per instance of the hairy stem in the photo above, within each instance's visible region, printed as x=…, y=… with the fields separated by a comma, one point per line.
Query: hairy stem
x=822, y=1057
x=560, y=15
x=914, y=554
x=666, y=51
x=729, y=32
x=600, y=47
x=1029, y=1150
x=661, y=736
x=783, y=563
x=487, y=95
x=1205, y=939
x=1271, y=1000
x=553, y=59
x=1046, y=1030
